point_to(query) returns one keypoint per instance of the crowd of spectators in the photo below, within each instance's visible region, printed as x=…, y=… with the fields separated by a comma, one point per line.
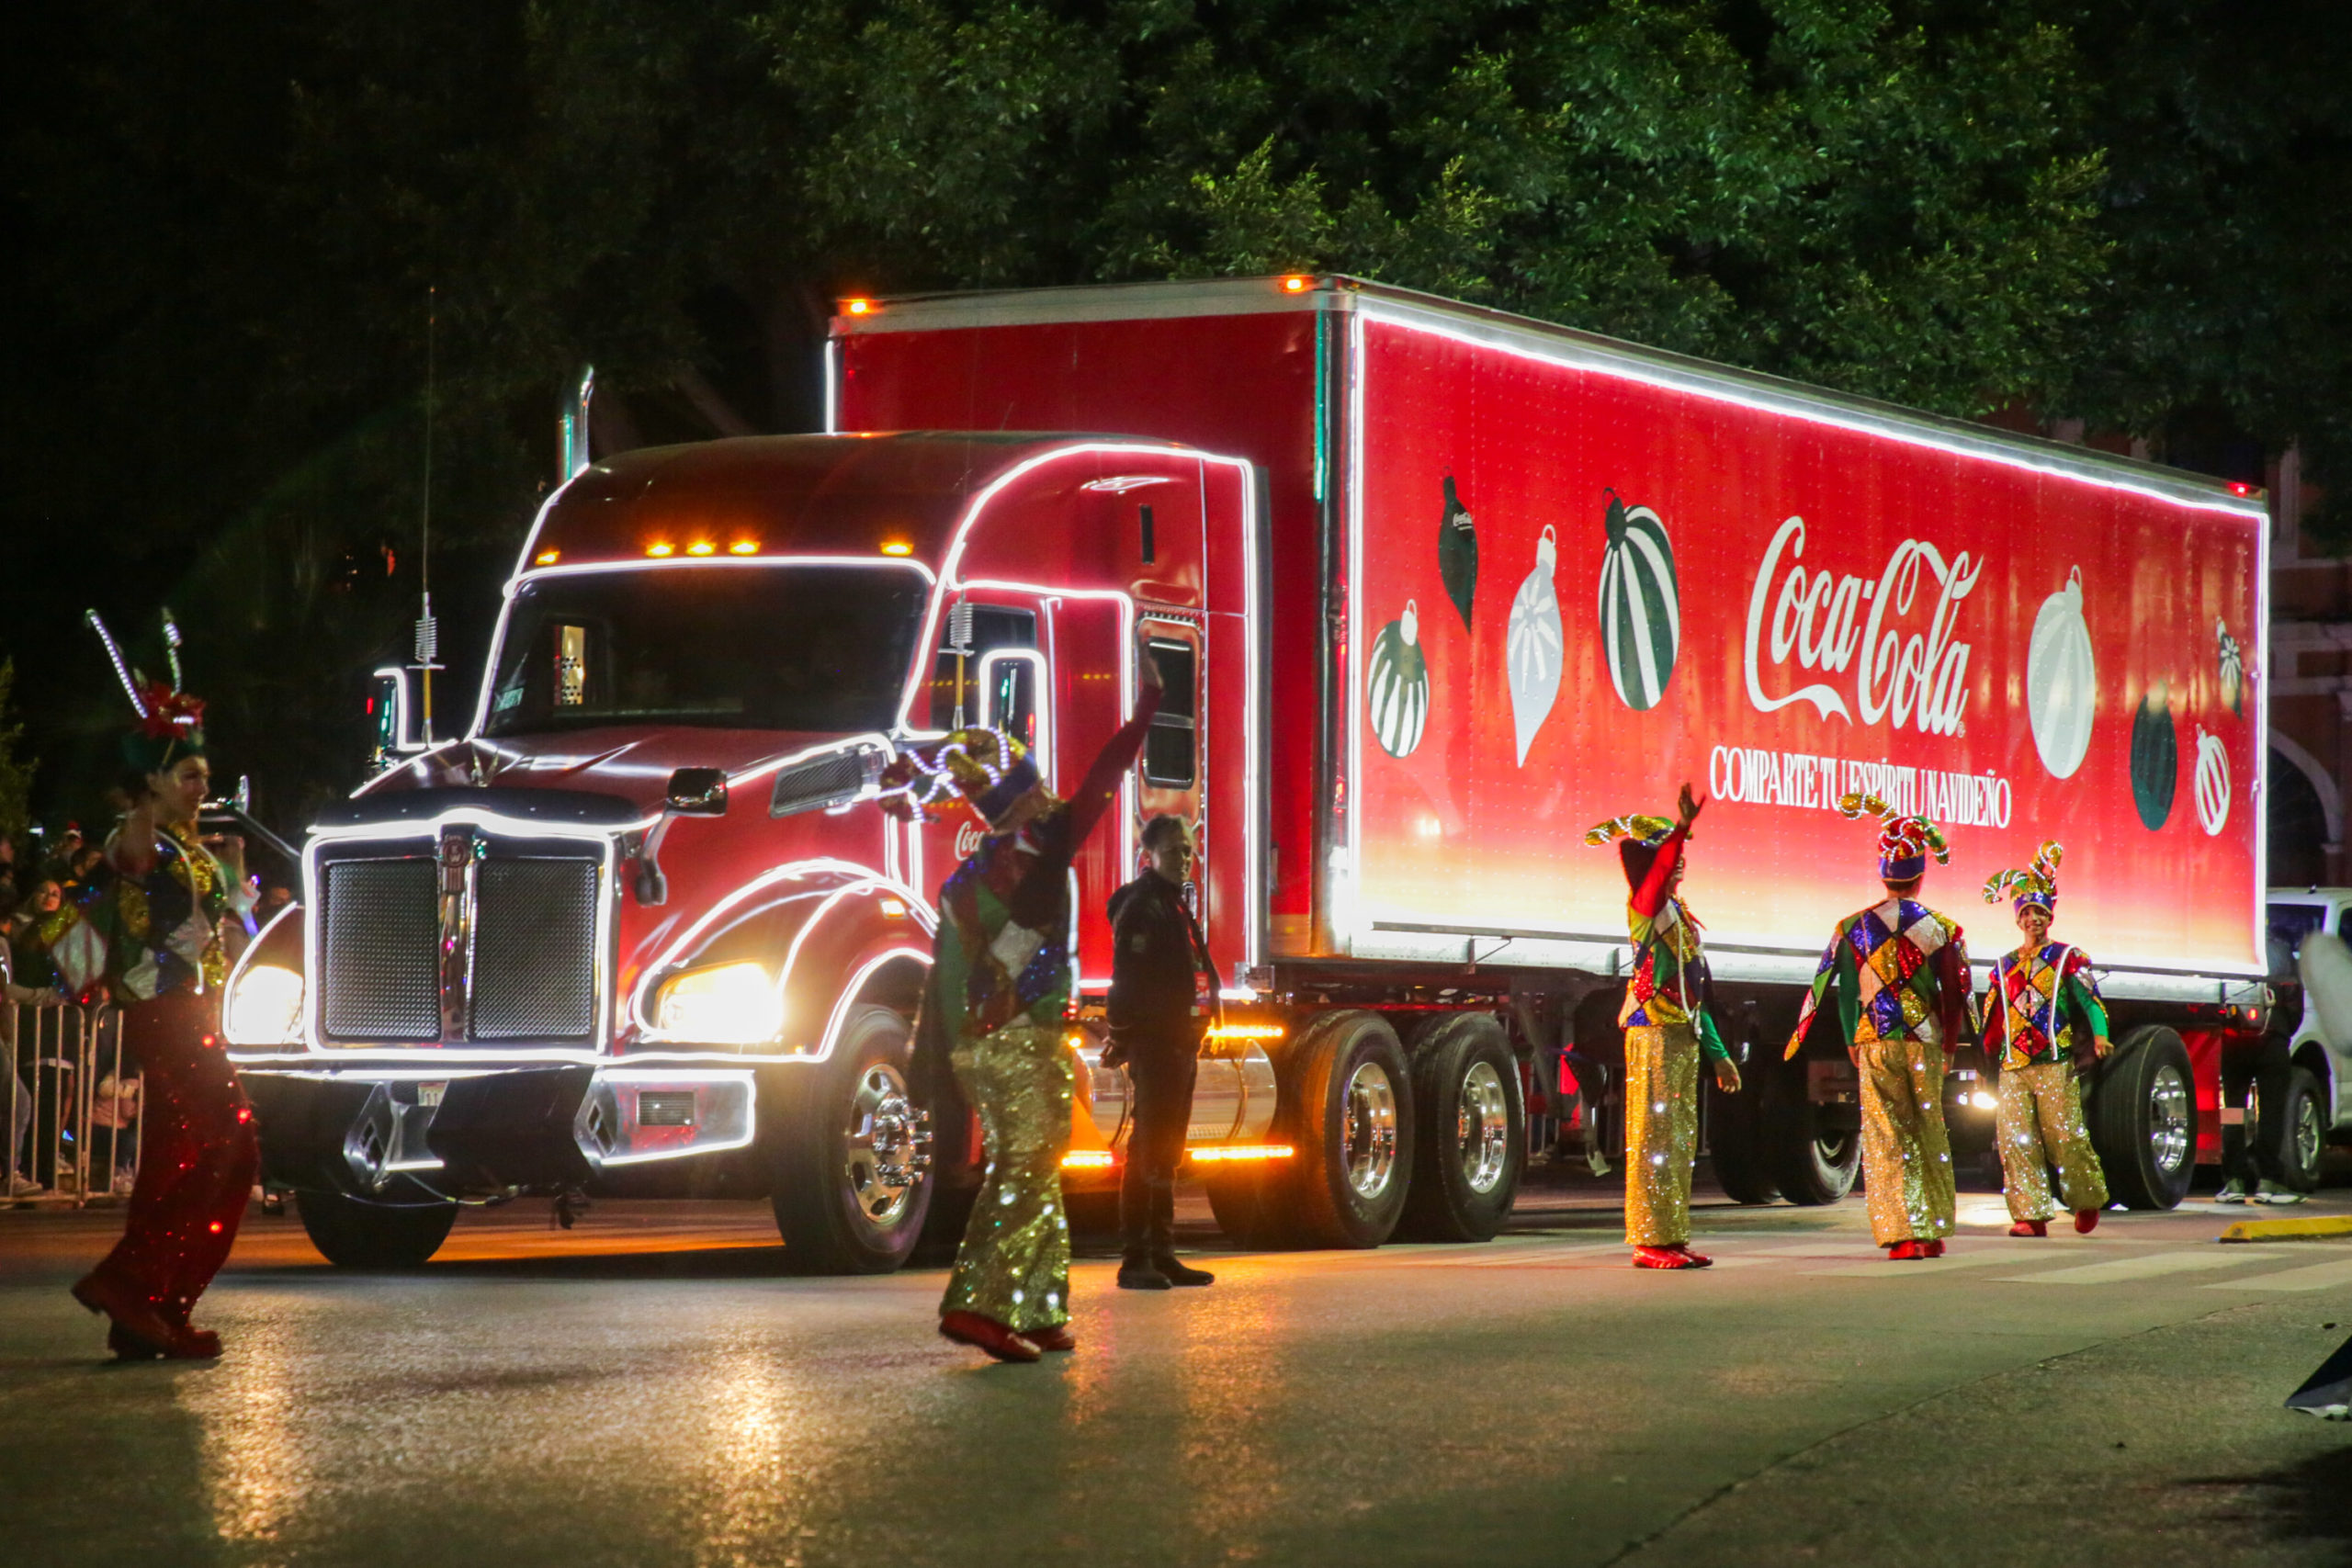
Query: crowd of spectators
x=52, y=1017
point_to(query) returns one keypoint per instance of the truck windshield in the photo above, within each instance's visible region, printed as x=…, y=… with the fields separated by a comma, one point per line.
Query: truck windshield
x=726, y=647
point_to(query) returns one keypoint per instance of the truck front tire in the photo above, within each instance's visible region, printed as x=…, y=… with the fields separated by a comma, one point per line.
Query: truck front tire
x=2142, y=1117
x=842, y=1199
x=1470, y=1130
x=1735, y=1143
x=353, y=1233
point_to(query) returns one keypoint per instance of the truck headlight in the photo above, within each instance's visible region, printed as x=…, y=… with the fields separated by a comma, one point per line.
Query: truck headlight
x=729, y=1004
x=265, y=1008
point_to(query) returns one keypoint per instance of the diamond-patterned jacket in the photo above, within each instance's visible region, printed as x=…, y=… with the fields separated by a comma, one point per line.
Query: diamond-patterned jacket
x=1901, y=973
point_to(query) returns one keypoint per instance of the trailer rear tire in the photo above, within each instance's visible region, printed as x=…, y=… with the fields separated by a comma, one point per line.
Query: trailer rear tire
x=2143, y=1116
x=351, y=1232
x=1348, y=1112
x=1471, y=1131
x=1811, y=1162
x=839, y=1199
x=1736, y=1144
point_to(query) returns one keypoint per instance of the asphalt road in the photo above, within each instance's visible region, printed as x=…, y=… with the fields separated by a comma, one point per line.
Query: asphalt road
x=647, y=1389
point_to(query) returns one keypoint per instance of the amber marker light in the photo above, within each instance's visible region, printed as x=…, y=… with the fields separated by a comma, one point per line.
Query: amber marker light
x=1298, y=283
x=857, y=307
x=1247, y=1032
x=661, y=547
x=1088, y=1159
x=743, y=548
x=547, y=557
x=1234, y=1152
x=897, y=548
x=700, y=547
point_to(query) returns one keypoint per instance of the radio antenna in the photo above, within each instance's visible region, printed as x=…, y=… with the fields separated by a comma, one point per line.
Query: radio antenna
x=428, y=631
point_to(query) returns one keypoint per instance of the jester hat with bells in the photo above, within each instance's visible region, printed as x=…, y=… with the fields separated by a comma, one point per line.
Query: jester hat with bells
x=1637, y=838
x=2036, y=885
x=988, y=769
x=1904, y=842
x=170, y=722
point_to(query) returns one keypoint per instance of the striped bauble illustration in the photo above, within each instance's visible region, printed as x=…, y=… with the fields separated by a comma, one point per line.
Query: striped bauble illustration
x=2212, y=782
x=1641, y=605
x=1396, y=684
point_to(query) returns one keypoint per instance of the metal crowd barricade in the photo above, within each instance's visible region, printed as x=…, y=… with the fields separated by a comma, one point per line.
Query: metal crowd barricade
x=71, y=1110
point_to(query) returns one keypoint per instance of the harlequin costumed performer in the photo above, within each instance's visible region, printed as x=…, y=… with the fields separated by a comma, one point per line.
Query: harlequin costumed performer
x=1667, y=1029
x=999, y=987
x=1901, y=974
x=2044, y=1007
x=165, y=967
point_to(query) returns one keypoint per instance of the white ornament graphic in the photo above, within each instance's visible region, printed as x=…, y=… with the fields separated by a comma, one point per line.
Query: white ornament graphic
x=2061, y=681
x=2212, y=782
x=1533, y=645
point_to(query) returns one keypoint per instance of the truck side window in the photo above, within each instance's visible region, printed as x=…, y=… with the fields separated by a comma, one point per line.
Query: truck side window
x=1171, y=752
x=956, y=673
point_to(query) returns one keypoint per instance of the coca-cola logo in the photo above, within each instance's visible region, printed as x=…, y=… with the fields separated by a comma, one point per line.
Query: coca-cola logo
x=967, y=839
x=1854, y=628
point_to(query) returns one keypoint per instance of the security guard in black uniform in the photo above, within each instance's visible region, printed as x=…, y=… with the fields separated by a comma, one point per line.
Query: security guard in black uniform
x=1163, y=998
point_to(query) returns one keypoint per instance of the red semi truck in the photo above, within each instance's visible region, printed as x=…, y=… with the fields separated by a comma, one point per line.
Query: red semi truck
x=1432, y=590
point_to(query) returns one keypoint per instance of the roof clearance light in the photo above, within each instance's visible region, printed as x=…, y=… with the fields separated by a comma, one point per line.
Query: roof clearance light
x=897, y=548
x=2239, y=486
x=857, y=307
x=547, y=557
x=661, y=547
x=743, y=548
x=700, y=547
x=1231, y=1152
x=1088, y=1159
x=1298, y=283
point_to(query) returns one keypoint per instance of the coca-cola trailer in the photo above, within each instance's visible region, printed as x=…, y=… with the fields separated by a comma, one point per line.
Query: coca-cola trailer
x=1432, y=590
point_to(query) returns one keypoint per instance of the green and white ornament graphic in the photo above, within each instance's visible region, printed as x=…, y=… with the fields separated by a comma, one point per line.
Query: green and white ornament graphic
x=1534, y=646
x=1396, y=684
x=1641, y=605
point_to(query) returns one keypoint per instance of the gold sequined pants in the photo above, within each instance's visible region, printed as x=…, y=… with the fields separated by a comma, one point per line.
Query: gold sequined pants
x=1906, y=1156
x=2041, y=1125
x=1013, y=1267
x=1661, y=1132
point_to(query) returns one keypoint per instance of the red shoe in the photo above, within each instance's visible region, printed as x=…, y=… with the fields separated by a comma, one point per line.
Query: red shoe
x=2086, y=1221
x=1933, y=1249
x=1905, y=1252
x=1058, y=1337
x=987, y=1334
x=1675, y=1257
x=132, y=1314
x=2031, y=1227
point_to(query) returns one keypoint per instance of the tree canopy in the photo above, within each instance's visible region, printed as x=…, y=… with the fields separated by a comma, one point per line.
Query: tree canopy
x=220, y=332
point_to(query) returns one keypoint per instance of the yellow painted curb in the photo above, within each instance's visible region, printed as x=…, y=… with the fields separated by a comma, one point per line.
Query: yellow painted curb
x=2289, y=1230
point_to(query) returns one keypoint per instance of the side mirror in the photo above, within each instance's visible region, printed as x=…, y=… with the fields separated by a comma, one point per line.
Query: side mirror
x=393, y=708
x=1012, y=698
x=698, y=792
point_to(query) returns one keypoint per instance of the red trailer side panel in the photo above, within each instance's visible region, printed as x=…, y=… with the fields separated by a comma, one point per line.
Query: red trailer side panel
x=1674, y=581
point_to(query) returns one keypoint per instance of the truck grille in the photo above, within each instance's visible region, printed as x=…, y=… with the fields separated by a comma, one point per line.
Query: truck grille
x=379, y=946
x=526, y=965
x=535, y=950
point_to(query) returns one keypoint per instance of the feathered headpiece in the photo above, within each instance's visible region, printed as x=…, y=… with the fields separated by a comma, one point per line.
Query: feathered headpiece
x=1904, y=842
x=2037, y=883
x=987, y=767
x=171, y=722
x=1647, y=831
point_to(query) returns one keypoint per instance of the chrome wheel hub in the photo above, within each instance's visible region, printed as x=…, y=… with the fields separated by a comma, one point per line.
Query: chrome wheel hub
x=2168, y=1118
x=2308, y=1133
x=1368, y=1141
x=889, y=1145
x=1482, y=1127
